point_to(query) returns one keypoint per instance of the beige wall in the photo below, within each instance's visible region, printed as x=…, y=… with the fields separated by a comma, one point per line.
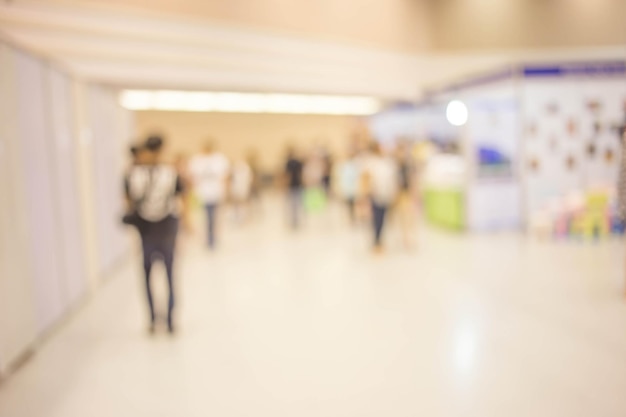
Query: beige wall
x=412, y=25
x=237, y=133
x=393, y=24
x=278, y=45
x=499, y=24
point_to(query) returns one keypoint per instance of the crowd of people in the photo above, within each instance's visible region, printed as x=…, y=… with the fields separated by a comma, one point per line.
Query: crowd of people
x=370, y=180
x=161, y=195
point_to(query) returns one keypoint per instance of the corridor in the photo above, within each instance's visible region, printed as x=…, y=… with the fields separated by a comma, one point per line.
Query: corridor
x=277, y=323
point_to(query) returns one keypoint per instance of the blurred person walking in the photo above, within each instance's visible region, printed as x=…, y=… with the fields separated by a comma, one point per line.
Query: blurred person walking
x=363, y=202
x=254, y=202
x=407, y=179
x=327, y=170
x=314, y=169
x=349, y=176
x=294, y=180
x=240, y=186
x=209, y=173
x=181, y=164
x=380, y=179
x=152, y=192
x=134, y=155
x=314, y=194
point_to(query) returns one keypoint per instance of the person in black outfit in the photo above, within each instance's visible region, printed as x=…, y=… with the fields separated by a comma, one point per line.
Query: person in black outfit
x=153, y=191
x=255, y=187
x=406, y=190
x=328, y=171
x=293, y=173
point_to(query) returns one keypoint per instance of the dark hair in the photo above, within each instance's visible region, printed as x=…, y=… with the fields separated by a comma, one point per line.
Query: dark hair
x=154, y=143
x=620, y=131
x=375, y=147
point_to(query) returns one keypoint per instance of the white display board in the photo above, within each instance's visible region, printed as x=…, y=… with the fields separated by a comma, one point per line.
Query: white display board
x=493, y=200
x=569, y=137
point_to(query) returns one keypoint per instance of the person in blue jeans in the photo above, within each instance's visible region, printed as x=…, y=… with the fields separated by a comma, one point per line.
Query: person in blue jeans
x=210, y=172
x=380, y=177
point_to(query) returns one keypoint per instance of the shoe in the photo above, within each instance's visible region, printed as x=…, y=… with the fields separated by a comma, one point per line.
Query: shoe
x=378, y=250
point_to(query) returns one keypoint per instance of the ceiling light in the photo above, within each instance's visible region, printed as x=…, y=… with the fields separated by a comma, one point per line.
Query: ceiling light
x=456, y=113
x=200, y=102
x=169, y=100
x=136, y=100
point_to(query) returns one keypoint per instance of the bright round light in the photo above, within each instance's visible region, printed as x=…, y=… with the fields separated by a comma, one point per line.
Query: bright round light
x=456, y=113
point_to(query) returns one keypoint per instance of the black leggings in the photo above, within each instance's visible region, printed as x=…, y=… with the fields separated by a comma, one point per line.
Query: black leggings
x=378, y=218
x=158, y=240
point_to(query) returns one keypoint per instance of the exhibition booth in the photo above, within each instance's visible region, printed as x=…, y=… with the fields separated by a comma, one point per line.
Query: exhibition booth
x=532, y=147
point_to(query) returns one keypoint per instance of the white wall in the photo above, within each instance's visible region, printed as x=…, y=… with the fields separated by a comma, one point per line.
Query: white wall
x=17, y=294
x=238, y=133
x=33, y=130
x=67, y=204
x=497, y=24
x=48, y=257
x=110, y=133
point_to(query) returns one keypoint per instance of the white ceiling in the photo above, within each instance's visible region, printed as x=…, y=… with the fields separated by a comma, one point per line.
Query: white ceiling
x=138, y=50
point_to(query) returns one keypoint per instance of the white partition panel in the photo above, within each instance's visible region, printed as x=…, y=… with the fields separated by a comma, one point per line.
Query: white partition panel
x=37, y=163
x=70, y=238
x=18, y=326
x=105, y=128
x=493, y=200
x=83, y=146
x=62, y=150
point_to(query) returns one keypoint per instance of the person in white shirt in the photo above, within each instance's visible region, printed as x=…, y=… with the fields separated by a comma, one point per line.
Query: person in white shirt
x=154, y=192
x=348, y=185
x=240, y=186
x=380, y=178
x=209, y=173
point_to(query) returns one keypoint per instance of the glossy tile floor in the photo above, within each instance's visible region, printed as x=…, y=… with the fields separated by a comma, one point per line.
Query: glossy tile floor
x=310, y=324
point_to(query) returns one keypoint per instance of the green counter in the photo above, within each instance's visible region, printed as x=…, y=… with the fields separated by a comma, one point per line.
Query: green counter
x=445, y=207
